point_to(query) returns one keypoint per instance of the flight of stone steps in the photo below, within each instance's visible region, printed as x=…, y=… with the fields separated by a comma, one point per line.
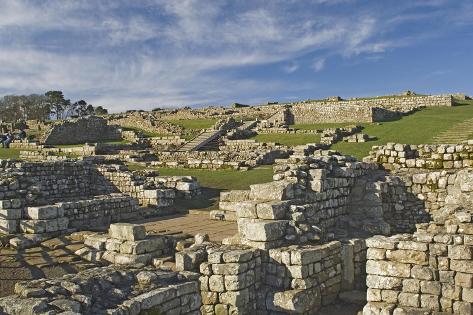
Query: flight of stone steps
x=456, y=134
x=200, y=141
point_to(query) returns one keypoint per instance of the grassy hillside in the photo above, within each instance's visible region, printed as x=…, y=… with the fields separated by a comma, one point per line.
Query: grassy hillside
x=418, y=128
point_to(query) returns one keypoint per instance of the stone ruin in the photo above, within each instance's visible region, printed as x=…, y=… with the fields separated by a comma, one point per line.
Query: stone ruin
x=126, y=244
x=304, y=240
x=72, y=131
x=45, y=199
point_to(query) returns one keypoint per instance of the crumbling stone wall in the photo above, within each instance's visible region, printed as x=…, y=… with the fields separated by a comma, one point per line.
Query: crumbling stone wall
x=439, y=156
x=81, y=130
x=225, y=159
x=68, y=193
x=108, y=290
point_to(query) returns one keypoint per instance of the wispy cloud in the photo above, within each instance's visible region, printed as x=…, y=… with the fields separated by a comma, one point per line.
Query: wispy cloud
x=164, y=52
x=318, y=65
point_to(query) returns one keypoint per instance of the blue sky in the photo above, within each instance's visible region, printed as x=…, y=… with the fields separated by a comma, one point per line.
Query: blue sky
x=157, y=53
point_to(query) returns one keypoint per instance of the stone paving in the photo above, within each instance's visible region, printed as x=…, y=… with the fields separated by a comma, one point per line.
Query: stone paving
x=196, y=222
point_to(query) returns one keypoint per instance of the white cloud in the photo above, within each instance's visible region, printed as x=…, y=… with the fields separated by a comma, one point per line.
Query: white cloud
x=163, y=52
x=318, y=65
x=291, y=67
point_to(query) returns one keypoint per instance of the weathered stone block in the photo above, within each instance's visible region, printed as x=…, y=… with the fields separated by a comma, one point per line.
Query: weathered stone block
x=381, y=282
x=96, y=241
x=42, y=213
x=275, y=210
x=127, y=231
x=8, y=226
x=279, y=190
x=258, y=230
x=10, y=214
x=148, y=245
x=385, y=268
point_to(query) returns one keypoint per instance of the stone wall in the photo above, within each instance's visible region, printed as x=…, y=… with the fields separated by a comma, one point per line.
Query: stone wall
x=107, y=290
x=397, y=103
x=429, y=272
x=250, y=154
x=81, y=130
x=364, y=110
x=339, y=112
x=143, y=121
x=439, y=156
x=81, y=193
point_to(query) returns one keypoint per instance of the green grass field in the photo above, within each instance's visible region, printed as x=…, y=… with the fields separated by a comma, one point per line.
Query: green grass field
x=194, y=123
x=220, y=179
x=288, y=139
x=9, y=153
x=418, y=128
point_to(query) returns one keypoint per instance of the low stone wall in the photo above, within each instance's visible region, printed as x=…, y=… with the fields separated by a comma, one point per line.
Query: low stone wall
x=400, y=103
x=255, y=154
x=80, y=194
x=107, y=290
x=81, y=130
x=25, y=145
x=441, y=156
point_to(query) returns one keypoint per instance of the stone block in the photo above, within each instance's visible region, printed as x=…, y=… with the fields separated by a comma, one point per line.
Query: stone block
x=409, y=299
x=384, y=268
x=96, y=241
x=381, y=242
x=262, y=231
x=378, y=308
x=42, y=213
x=8, y=226
x=235, y=195
x=155, y=297
x=460, y=252
x=148, y=245
x=274, y=210
x=127, y=231
x=408, y=256
x=279, y=190
x=125, y=259
x=113, y=244
x=381, y=282
x=10, y=214
x=235, y=298
x=306, y=255
x=294, y=301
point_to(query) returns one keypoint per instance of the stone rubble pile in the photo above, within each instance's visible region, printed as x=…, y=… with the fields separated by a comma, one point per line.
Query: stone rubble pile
x=334, y=135
x=125, y=244
x=108, y=290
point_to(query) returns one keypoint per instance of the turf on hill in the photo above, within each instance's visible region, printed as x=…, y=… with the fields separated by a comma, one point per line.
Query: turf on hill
x=418, y=128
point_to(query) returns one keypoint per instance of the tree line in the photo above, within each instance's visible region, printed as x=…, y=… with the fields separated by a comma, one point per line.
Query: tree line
x=51, y=105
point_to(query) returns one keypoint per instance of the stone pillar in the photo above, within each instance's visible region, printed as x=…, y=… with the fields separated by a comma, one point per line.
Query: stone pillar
x=230, y=281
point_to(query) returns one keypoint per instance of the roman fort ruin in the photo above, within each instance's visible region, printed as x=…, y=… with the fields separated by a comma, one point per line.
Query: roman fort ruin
x=326, y=233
